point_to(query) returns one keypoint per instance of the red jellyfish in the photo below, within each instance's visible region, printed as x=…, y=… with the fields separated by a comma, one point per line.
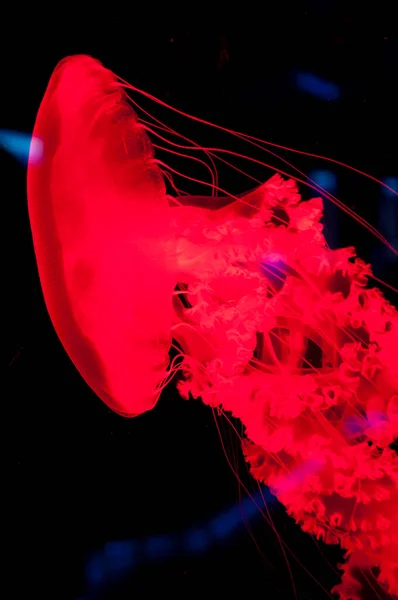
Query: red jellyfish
x=274, y=327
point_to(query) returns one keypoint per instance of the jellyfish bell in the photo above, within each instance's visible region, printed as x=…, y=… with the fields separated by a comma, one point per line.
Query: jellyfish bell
x=100, y=224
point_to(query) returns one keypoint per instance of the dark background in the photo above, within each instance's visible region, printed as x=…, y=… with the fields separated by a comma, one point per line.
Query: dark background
x=81, y=475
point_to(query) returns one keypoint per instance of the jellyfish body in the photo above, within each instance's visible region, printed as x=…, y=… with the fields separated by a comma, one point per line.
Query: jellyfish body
x=274, y=326
x=97, y=205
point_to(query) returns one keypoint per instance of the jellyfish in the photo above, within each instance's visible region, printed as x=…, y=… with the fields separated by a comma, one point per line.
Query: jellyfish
x=271, y=325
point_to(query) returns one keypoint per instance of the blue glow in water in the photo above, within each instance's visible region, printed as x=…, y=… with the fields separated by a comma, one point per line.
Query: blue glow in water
x=375, y=418
x=324, y=178
x=118, y=559
x=120, y=549
x=387, y=224
x=196, y=540
x=354, y=425
x=275, y=270
x=95, y=571
x=159, y=546
x=316, y=86
x=251, y=506
x=329, y=182
x=20, y=144
x=392, y=182
x=388, y=209
x=224, y=525
x=115, y=561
